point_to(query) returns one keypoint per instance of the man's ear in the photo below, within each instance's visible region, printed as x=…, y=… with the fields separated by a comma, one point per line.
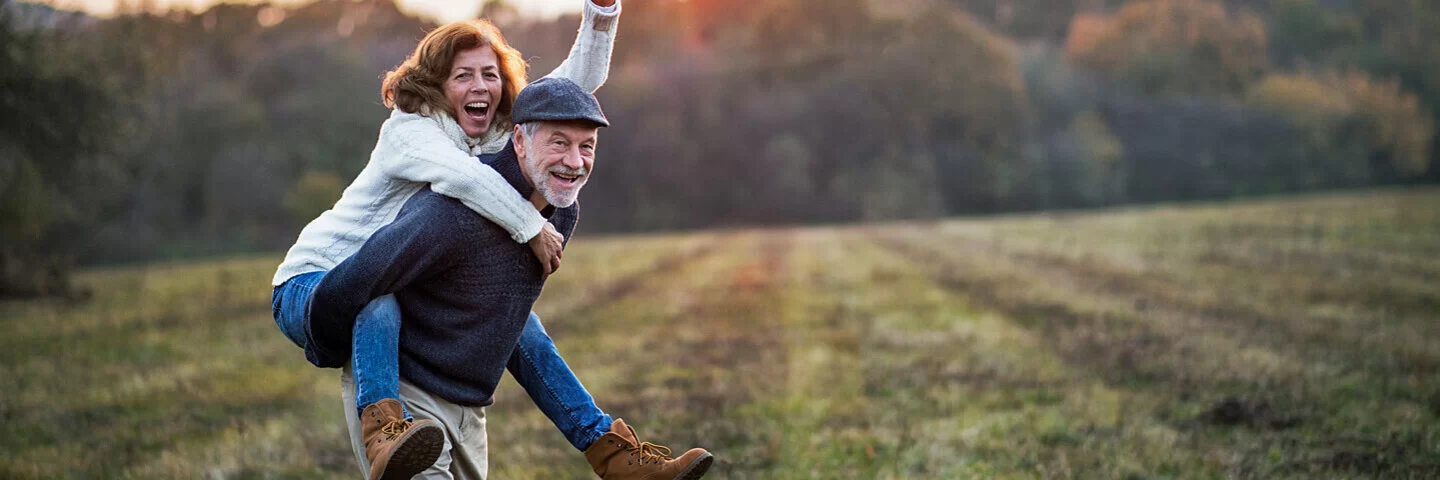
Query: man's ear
x=519, y=140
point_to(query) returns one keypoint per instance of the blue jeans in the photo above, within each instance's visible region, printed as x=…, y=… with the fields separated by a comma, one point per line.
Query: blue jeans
x=540, y=370
x=374, y=348
x=375, y=360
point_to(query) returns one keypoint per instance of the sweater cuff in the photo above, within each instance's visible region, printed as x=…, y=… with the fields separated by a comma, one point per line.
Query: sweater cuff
x=602, y=18
x=529, y=231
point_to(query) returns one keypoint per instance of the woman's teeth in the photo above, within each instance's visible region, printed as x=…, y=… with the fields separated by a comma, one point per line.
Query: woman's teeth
x=477, y=109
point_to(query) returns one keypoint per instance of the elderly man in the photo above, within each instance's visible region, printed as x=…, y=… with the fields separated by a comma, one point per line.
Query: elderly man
x=466, y=290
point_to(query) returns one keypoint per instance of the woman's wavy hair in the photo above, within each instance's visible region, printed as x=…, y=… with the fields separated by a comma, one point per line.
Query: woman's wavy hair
x=418, y=84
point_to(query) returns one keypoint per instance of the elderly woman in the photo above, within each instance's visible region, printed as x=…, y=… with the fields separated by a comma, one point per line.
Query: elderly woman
x=452, y=98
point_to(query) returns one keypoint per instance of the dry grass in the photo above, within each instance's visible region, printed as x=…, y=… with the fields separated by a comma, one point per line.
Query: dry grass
x=1284, y=338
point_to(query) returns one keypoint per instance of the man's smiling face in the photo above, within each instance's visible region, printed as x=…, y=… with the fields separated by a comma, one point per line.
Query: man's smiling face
x=557, y=158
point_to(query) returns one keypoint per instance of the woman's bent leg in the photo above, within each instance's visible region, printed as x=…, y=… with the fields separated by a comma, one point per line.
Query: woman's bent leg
x=375, y=353
x=537, y=367
x=395, y=444
x=288, y=304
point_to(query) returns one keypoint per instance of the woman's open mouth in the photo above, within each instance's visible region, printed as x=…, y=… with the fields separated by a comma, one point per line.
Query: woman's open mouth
x=477, y=110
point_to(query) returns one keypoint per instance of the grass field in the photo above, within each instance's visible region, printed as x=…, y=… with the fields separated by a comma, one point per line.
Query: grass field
x=1281, y=338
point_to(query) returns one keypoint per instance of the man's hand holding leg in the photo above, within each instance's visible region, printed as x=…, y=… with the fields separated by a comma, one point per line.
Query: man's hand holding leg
x=548, y=246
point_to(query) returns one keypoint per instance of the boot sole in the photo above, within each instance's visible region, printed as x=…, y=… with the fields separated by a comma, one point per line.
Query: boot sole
x=418, y=450
x=697, y=468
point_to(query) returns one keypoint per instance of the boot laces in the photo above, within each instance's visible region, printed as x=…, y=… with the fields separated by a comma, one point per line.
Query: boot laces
x=649, y=452
x=395, y=428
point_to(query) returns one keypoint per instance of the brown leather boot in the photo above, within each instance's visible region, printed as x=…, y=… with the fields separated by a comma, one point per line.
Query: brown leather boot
x=398, y=448
x=621, y=455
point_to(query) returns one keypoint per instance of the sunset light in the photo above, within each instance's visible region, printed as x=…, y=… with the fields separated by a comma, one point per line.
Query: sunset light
x=817, y=239
x=441, y=10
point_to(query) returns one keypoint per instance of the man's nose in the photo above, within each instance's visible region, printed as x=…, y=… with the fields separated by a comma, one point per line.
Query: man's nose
x=573, y=160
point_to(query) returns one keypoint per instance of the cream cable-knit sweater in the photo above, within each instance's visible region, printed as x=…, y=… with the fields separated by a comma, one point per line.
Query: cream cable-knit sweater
x=414, y=150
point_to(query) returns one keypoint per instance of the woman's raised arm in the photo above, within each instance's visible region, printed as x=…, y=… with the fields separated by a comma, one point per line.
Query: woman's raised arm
x=589, y=62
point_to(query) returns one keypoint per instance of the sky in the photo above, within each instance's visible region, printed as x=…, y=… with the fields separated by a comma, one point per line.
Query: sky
x=442, y=10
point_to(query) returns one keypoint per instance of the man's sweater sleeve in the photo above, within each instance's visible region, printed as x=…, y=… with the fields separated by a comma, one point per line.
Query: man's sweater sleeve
x=418, y=150
x=589, y=62
x=410, y=249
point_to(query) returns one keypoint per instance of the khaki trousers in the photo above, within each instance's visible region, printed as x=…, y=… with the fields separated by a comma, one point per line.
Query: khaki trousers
x=464, y=456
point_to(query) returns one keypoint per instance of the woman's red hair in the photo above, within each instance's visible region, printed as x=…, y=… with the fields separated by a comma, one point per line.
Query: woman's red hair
x=419, y=83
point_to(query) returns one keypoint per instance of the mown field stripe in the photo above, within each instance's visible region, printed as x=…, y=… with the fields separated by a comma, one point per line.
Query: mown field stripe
x=1044, y=413
x=625, y=283
x=666, y=354
x=1189, y=358
x=1237, y=299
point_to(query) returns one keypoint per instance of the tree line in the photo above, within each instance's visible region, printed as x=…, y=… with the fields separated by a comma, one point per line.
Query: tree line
x=164, y=134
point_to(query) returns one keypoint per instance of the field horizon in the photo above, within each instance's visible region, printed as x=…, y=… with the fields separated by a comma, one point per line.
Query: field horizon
x=1280, y=337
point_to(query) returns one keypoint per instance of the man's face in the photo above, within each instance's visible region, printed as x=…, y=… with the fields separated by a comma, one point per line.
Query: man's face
x=473, y=89
x=558, y=159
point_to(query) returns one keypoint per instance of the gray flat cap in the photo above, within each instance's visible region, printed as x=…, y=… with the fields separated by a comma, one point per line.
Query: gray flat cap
x=556, y=99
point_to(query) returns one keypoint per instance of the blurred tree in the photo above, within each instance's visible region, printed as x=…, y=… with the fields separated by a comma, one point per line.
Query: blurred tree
x=809, y=110
x=897, y=185
x=1173, y=46
x=806, y=108
x=317, y=101
x=953, y=91
x=1079, y=161
x=60, y=115
x=804, y=27
x=1364, y=129
x=1401, y=127
x=1332, y=159
x=1044, y=20
x=1408, y=33
x=314, y=193
x=1182, y=148
x=237, y=104
x=1056, y=89
x=1303, y=31
x=1101, y=179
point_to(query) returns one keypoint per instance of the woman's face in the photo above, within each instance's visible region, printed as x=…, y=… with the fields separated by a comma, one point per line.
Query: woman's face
x=473, y=89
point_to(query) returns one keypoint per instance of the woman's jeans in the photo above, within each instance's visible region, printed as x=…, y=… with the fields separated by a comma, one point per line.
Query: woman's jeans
x=375, y=357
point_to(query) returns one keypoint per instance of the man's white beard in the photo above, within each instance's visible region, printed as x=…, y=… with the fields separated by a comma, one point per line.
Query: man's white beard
x=564, y=199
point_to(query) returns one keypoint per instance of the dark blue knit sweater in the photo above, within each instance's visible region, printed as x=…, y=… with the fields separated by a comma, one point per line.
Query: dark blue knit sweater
x=465, y=291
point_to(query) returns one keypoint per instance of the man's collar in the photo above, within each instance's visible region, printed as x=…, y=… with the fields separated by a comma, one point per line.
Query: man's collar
x=508, y=164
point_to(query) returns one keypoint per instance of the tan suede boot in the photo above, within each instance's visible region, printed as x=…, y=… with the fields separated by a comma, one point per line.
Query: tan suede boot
x=621, y=455
x=398, y=448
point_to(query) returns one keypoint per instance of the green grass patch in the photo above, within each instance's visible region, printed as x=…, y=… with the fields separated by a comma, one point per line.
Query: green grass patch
x=1283, y=338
